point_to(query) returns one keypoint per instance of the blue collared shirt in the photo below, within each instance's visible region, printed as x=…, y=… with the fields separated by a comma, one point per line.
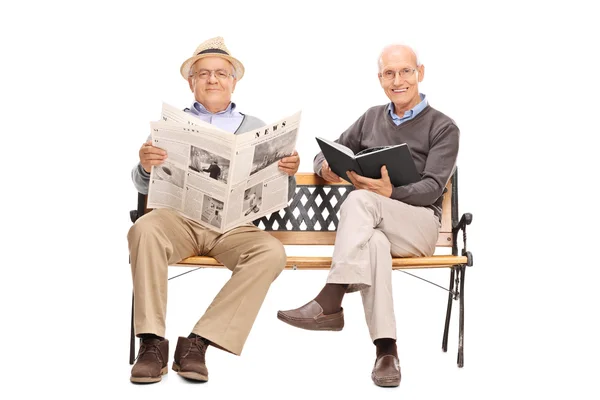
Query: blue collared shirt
x=410, y=114
x=228, y=119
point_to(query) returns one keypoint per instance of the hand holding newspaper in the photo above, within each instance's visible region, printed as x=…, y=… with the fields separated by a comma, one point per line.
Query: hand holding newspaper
x=216, y=178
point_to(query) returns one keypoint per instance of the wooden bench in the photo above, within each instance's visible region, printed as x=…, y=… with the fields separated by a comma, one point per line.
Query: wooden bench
x=312, y=218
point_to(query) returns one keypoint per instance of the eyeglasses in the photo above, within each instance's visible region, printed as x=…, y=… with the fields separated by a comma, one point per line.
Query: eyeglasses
x=390, y=74
x=206, y=74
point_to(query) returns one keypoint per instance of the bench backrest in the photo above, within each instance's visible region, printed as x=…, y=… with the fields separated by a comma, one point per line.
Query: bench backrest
x=312, y=215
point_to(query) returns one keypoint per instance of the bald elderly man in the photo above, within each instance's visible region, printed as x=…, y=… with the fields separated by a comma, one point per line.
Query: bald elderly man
x=378, y=220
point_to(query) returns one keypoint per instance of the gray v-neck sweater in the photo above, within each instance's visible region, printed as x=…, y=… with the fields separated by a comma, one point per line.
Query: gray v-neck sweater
x=433, y=141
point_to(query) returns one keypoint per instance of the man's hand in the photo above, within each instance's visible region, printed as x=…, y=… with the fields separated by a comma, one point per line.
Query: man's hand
x=290, y=164
x=381, y=186
x=150, y=155
x=328, y=174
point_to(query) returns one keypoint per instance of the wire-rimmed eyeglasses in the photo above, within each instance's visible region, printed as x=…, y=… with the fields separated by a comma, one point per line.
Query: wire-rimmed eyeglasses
x=389, y=74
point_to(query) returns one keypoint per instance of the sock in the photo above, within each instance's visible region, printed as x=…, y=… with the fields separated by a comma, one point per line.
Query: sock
x=194, y=336
x=386, y=346
x=331, y=296
x=148, y=336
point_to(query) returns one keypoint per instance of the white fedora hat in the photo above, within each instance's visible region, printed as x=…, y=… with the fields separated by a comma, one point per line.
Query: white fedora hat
x=214, y=47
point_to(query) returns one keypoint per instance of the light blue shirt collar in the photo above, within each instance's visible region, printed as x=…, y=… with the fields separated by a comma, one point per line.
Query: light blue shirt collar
x=228, y=119
x=410, y=114
x=230, y=110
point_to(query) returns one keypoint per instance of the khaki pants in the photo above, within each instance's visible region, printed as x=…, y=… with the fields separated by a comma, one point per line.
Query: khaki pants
x=372, y=228
x=163, y=237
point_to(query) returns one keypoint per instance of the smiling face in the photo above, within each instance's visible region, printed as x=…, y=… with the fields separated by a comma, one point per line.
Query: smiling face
x=402, y=91
x=210, y=89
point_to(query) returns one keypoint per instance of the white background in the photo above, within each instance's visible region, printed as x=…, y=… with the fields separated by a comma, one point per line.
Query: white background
x=81, y=81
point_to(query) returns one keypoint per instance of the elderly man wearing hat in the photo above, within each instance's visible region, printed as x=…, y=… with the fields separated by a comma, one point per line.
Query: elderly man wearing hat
x=164, y=237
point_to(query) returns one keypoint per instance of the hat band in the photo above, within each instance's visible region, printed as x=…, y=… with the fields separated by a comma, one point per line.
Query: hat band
x=213, y=51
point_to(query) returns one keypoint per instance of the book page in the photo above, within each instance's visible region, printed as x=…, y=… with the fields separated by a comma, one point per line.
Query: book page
x=338, y=146
x=371, y=150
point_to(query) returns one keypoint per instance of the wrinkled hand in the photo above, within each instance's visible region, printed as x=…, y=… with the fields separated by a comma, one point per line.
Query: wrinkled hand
x=328, y=174
x=150, y=155
x=382, y=186
x=290, y=164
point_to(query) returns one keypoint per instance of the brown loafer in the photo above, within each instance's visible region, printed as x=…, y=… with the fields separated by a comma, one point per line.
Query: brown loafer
x=310, y=316
x=190, y=359
x=386, y=371
x=151, y=362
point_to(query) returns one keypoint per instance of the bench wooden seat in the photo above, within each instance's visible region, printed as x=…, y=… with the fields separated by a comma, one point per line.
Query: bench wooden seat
x=307, y=262
x=311, y=218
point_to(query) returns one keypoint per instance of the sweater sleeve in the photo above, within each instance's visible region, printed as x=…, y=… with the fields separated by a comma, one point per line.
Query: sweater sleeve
x=350, y=138
x=439, y=167
x=141, y=178
x=291, y=187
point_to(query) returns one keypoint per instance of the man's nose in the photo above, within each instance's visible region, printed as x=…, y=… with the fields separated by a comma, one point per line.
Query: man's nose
x=212, y=78
x=397, y=78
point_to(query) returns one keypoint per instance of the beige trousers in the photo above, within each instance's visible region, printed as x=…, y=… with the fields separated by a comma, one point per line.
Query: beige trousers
x=163, y=237
x=372, y=229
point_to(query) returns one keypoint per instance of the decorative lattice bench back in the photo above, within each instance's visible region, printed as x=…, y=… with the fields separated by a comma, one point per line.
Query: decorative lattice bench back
x=312, y=215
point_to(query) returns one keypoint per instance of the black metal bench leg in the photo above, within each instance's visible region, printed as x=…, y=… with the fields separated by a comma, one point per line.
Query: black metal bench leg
x=461, y=321
x=132, y=338
x=448, y=311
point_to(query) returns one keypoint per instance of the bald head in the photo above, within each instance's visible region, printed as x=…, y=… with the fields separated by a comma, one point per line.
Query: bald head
x=397, y=51
x=400, y=73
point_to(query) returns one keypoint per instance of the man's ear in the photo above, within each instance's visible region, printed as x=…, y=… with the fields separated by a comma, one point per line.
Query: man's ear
x=190, y=81
x=421, y=70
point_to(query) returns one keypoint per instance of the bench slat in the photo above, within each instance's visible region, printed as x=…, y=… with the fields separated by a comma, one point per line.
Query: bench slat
x=311, y=179
x=328, y=238
x=325, y=262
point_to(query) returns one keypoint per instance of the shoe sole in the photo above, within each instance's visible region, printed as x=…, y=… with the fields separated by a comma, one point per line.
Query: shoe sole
x=386, y=382
x=189, y=375
x=149, y=379
x=312, y=326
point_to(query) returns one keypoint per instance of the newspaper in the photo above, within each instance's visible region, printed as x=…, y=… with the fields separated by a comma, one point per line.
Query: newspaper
x=216, y=178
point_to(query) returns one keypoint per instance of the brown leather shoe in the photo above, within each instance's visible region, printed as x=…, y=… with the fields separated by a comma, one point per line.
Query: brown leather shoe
x=151, y=362
x=386, y=371
x=310, y=316
x=190, y=358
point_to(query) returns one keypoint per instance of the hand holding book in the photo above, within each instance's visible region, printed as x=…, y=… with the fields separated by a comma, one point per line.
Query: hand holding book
x=382, y=186
x=328, y=174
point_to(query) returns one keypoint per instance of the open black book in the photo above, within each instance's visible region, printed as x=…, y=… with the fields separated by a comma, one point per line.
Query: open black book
x=400, y=165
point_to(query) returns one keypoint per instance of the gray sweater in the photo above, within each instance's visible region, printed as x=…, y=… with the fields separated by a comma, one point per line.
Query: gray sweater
x=141, y=178
x=433, y=141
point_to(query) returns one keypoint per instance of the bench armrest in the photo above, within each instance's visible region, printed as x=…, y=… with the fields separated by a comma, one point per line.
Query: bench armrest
x=141, y=208
x=465, y=220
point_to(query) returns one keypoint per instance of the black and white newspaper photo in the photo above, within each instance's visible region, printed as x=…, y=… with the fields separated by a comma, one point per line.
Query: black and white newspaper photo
x=213, y=165
x=212, y=211
x=270, y=152
x=252, y=199
x=218, y=178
